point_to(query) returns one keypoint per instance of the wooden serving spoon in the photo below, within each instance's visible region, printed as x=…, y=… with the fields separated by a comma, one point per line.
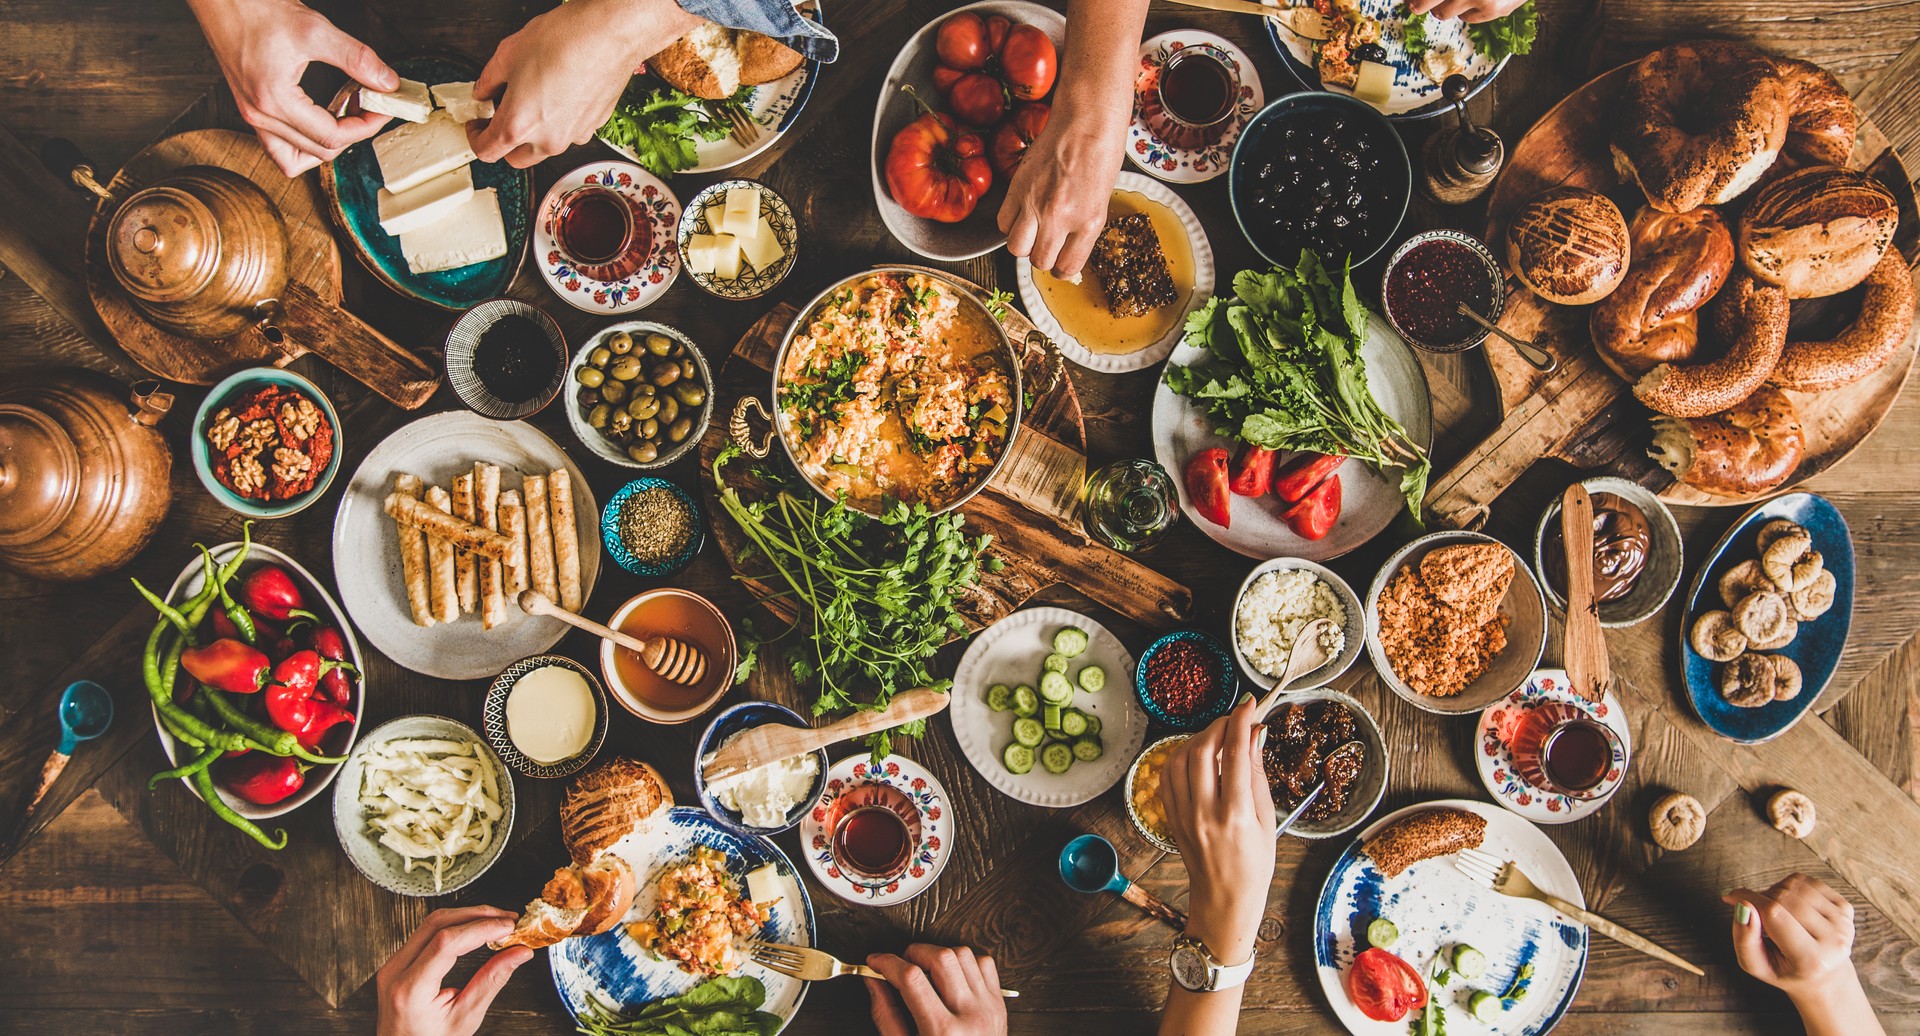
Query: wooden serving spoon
x=772, y=742
x=1306, y=656
x=1585, y=649
x=674, y=659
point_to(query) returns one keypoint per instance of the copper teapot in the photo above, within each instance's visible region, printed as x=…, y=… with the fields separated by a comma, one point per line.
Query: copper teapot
x=85, y=478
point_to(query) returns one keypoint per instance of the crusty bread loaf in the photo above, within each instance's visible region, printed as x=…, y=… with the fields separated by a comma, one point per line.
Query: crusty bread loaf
x=610, y=887
x=712, y=61
x=541, y=925
x=1818, y=231
x=763, y=59
x=1423, y=836
x=584, y=900
x=608, y=802
x=1569, y=245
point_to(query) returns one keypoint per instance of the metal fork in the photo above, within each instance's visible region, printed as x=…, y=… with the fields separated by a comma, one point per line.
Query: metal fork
x=810, y=965
x=1504, y=877
x=745, y=129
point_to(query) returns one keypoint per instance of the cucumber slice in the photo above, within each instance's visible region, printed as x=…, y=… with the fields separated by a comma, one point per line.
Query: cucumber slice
x=1382, y=933
x=1469, y=962
x=1025, y=702
x=1093, y=725
x=1073, y=723
x=1055, y=689
x=1018, y=757
x=999, y=697
x=1485, y=1007
x=1057, y=758
x=1087, y=749
x=1093, y=677
x=1028, y=731
x=1054, y=664
x=1050, y=718
x=1070, y=641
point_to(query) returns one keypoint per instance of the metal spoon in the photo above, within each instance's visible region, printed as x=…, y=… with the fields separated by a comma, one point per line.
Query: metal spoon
x=1541, y=359
x=1301, y=810
x=86, y=710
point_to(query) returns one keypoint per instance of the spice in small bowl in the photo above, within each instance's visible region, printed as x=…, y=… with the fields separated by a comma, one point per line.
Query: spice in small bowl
x=652, y=527
x=1185, y=680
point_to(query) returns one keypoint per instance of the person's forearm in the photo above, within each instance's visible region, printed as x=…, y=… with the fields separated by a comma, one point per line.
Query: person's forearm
x=1228, y=931
x=1097, y=71
x=649, y=24
x=1840, y=1010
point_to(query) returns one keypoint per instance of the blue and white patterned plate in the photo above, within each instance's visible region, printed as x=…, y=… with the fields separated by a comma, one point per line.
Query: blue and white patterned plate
x=653, y=200
x=1414, y=95
x=780, y=222
x=1493, y=757
x=1171, y=162
x=1437, y=908
x=612, y=970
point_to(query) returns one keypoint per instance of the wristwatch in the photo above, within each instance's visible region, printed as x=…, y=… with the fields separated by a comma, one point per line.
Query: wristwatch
x=1199, y=971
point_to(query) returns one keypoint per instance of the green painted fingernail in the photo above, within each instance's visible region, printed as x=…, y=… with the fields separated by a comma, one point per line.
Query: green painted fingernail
x=1744, y=914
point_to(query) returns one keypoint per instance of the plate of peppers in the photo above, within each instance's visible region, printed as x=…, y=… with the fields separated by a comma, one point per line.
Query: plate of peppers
x=254, y=678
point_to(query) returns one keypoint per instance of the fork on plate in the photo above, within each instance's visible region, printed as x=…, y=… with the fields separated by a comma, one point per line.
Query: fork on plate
x=1504, y=877
x=810, y=965
x=745, y=129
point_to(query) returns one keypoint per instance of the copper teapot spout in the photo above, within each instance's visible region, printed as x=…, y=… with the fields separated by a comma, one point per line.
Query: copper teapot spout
x=267, y=314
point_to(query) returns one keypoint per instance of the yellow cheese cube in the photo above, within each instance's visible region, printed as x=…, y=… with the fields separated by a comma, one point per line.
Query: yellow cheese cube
x=1375, y=85
x=763, y=883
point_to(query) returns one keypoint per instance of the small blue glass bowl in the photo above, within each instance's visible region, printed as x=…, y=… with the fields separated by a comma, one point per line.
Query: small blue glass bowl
x=617, y=547
x=241, y=383
x=737, y=719
x=1223, y=696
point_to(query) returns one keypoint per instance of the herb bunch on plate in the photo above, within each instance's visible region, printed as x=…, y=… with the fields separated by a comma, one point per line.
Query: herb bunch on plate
x=723, y=1006
x=1285, y=371
x=663, y=126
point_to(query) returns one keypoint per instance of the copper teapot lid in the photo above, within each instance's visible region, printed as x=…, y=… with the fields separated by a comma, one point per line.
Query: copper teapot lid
x=39, y=474
x=163, y=245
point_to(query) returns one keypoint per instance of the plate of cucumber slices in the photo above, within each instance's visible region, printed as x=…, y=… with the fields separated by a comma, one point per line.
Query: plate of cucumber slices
x=1043, y=707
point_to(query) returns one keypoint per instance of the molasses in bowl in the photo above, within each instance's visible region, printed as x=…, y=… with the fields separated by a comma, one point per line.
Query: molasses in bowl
x=506, y=359
x=1307, y=726
x=1319, y=171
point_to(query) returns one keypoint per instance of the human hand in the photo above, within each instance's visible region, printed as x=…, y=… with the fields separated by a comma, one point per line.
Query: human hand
x=1797, y=937
x=412, y=1003
x=1056, y=203
x=1465, y=10
x=264, y=47
x=1214, y=789
x=557, y=79
x=937, y=991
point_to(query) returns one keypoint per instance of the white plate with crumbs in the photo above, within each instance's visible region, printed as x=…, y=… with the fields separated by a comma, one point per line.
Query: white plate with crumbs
x=1075, y=315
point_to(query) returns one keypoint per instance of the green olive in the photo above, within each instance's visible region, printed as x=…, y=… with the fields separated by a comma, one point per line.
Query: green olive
x=644, y=389
x=615, y=392
x=643, y=452
x=619, y=422
x=599, y=356
x=679, y=429
x=664, y=374
x=591, y=377
x=641, y=408
x=620, y=342
x=626, y=368
x=689, y=393
x=688, y=368
x=597, y=417
x=659, y=345
x=669, y=409
x=678, y=350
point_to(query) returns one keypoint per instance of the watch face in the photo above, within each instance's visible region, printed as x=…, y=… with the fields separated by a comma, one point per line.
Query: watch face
x=1190, y=967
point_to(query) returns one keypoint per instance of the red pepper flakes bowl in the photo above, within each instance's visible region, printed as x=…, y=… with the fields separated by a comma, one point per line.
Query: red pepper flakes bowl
x=1165, y=700
x=230, y=391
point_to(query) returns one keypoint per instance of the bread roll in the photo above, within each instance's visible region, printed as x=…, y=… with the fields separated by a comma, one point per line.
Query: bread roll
x=1569, y=245
x=1745, y=450
x=1821, y=122
x=1818, y=231
x=1700, y=122
x=609, y=802
x=763, y=59
x=703, y=63
x=1679, y=261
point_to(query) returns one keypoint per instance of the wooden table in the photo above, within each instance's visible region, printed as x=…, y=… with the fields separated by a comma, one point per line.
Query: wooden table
x=136, y=911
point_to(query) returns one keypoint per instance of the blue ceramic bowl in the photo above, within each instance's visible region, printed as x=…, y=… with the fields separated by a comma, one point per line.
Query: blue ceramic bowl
x=1282, y=248
x=1215, y=706
x=229, y=390
x=617, y=546
x=733, y=721
x=465, y=338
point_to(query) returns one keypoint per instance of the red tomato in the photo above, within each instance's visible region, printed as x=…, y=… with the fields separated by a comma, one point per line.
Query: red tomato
x=962, y=42
x=944, y=78
x=1028, y=62
x=1384, y=987
x=1313, y=517
x=1206, y=477
x=1014, y=136
x=977, y=98
x=937, y=171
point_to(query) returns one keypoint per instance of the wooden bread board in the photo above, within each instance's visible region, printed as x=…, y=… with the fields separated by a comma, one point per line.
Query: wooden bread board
x=1031, y=508
x=1582, y=413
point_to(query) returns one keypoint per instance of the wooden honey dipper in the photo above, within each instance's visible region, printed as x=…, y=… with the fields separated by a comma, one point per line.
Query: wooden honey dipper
x=674, y=659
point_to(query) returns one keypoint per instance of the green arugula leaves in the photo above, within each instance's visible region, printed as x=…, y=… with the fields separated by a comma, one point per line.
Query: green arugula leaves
x=724, y=1006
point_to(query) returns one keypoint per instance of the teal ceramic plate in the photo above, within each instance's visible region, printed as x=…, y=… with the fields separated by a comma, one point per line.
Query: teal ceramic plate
x=352, y=183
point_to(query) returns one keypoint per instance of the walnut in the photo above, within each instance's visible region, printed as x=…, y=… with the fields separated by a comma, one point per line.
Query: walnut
x=300, y=417
x=290, y=465
x=259, y=434
x=249, y=478
x=224, y=427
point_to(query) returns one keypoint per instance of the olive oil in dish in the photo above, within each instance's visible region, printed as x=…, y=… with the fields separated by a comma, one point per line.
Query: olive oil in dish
x=1081, y=308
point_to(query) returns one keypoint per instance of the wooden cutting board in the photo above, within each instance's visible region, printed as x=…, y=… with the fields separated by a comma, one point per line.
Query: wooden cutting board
x=1031, y=508
x=1582, y=413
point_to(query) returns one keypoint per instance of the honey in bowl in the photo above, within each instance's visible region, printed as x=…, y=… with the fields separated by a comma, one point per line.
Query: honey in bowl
x=1081, y=308
x=682, y=615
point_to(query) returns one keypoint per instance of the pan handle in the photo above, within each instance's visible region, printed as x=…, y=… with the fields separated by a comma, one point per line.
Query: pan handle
x=1051, y=362
x=65, y=159
x=742, y=433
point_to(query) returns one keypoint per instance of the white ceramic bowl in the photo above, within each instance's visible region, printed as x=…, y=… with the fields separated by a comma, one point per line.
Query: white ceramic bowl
x=719, y=664
x=1526, y=633
x=591, y=437
x=1666, y=556
x=383, y=866
x=1368, y=790
x=1354, y=628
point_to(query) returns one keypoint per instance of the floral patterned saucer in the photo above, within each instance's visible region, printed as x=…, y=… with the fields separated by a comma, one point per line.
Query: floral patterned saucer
x=651, y=198
x=935, y=827
x=1493, y=758
x=1174, y=163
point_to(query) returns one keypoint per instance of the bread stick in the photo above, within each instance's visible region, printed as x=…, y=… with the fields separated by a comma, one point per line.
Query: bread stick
x=463, y=565
x=413, y=551
x=486, y=492
x=513, y=525
x=566, y=538
x=539, y=538
x=411, y=512
x=442, y=592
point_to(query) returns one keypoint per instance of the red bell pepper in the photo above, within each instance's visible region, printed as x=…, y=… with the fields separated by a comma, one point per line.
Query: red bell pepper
x=270, y=591
x=336, y=685
x=227, y=665
x=1302, y=473
x=326, y=716
x=1313, y=517
x=1207, y=485
x=1252, y=471
x=263, y=779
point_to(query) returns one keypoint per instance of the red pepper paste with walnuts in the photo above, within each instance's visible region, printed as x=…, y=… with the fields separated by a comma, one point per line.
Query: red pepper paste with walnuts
x=270, y=444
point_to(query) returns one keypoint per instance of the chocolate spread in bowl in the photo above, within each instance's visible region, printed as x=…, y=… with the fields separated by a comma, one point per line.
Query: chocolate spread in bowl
x=1303, y=735
x=1621, y=538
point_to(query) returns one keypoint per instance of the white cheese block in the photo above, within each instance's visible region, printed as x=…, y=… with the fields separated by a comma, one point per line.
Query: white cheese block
x=413, y=154
x=701, y=251
x=743, y=226
x=726, y=257
x=763, y=883
x=426, y=204
x=472, y=233
x=457, y=99
x=762, y=250
x=410, y=102
x=715, y=213
x=742, y=203
x=1375, y=85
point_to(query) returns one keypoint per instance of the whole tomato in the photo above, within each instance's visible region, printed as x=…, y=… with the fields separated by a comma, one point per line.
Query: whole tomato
x=977, y=98
x=1012, y=138
x=936, y=170
x=1028, y=62
x=966, y=40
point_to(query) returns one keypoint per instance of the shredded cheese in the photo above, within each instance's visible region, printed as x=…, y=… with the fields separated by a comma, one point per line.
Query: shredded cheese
x=430, y=801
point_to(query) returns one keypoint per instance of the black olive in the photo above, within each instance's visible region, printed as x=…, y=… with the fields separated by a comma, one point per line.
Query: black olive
x=1370, y=52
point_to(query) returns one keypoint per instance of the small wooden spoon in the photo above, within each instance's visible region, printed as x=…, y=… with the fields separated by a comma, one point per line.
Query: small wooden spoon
x=1585, y=648
x=675, y=660
x=772, y=742
x=1306, y=656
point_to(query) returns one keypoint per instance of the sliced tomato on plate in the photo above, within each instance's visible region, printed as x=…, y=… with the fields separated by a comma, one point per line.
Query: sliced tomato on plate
x=1384, y=987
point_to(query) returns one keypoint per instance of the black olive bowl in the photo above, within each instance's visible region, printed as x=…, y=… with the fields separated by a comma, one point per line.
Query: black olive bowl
x=1283, y=209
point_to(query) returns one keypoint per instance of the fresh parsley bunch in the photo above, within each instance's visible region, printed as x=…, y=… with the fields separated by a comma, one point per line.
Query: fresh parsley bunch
x=662, y=126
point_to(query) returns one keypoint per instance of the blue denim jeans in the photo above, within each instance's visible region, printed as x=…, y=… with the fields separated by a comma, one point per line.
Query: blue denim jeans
x=775, y=18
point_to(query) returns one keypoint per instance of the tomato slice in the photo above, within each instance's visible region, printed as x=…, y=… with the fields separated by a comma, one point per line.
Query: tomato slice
x=1384, y=987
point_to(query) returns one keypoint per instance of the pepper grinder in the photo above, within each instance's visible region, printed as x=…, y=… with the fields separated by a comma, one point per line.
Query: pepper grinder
x=1461, y=163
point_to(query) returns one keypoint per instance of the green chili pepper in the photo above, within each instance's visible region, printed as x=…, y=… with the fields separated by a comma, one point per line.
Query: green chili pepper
x=235, y=614
x=274, y=742
x=204, y=784
x=200, y=762
x=166, y=610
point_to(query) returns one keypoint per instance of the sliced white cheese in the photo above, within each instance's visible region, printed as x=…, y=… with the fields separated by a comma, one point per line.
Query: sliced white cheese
x=1375, y=85
x=415, y=153
x=745, y=227
x=410, y=102
x=715, y=213
x=700, y=253
x=763, y=883
x=472, y=233
x=742, y=203
x=763, y=249
x=726, y=257
x=426, y=204
x=457, y=99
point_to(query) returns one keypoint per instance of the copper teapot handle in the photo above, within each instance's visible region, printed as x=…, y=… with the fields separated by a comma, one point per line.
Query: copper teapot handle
x=149, y=404
x=65, y=159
